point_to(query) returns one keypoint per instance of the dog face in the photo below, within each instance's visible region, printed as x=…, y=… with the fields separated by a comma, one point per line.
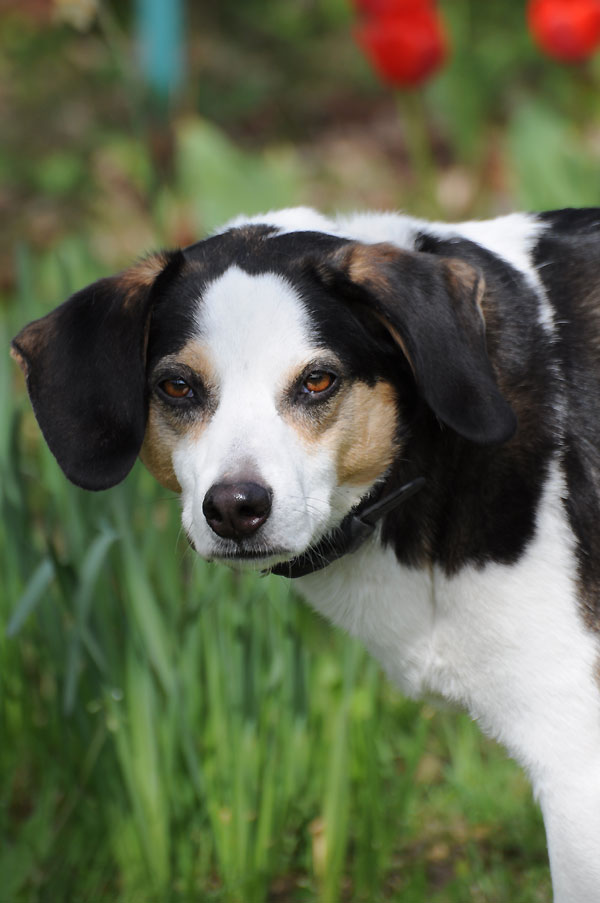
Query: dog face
x=268, y=431
x=270, y=376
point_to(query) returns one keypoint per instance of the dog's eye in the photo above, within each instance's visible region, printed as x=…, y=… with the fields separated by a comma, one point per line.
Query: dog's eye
x=318, y=381
x=176, y=388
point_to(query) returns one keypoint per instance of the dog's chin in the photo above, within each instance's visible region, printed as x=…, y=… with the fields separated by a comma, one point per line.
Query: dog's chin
x=245, y=559
x=252, y=561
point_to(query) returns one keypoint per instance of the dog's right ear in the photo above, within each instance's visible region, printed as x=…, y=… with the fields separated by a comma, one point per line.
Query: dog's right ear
x=85, y=369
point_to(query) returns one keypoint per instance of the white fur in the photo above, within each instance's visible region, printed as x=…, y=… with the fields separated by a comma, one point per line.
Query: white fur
x=506, y=642
x=292, y=219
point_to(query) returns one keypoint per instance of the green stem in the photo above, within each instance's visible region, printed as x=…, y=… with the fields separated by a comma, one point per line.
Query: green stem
x=423, y=165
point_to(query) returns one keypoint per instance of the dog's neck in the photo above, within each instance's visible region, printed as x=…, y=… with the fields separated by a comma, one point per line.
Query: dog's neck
x=354, y=530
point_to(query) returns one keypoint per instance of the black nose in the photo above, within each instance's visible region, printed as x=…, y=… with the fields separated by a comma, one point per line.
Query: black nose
x=236, y=510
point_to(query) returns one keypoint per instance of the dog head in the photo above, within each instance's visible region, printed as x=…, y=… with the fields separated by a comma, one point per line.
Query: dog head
x=270, y=376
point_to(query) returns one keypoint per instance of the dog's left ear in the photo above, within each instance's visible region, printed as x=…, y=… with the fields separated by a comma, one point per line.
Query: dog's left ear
x=85, y=369
x=431, y=306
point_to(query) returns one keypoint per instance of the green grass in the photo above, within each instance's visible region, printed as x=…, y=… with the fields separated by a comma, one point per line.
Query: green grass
x=172, y=731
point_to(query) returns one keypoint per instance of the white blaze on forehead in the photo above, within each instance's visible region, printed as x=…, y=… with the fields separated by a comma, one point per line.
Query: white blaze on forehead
x=255, y=323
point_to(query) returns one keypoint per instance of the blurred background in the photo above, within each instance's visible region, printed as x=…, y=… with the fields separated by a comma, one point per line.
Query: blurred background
x=170, y=731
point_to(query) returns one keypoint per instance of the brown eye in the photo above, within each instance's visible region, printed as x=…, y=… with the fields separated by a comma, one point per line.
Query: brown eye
x=176, y=388
x=318, y=381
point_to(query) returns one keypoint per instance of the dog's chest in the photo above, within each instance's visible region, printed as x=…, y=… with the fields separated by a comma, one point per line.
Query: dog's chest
x=389, y=607
x=481, y=638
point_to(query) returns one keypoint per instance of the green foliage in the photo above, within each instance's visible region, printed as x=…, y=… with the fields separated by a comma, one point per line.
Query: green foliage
x=565, y=174
x=221, y=181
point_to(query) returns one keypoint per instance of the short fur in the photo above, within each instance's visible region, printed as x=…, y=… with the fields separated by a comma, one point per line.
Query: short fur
x=466, y=354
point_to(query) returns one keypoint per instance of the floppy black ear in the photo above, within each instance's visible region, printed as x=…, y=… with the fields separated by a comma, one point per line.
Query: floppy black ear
x=85, y=369
x=432, y=308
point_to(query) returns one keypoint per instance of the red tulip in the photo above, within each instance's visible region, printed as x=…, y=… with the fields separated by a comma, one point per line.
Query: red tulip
x=391, y=7
x=568, y=30
x=406, y=47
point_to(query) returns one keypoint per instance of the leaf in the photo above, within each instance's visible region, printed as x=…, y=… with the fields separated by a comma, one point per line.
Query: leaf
x=551, y=168
x=37, y=586
x=83, y=598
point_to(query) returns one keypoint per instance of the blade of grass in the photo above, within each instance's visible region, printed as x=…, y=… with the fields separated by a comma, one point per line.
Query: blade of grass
x=34, y=593
x=82, y=601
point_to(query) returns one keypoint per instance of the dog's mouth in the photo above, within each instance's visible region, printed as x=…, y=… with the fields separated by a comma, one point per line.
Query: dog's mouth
x=351, y=533
x=260, y=557
x=263, y=557
x=283, y=562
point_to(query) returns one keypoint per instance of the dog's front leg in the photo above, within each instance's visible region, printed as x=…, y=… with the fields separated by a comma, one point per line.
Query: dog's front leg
x=571, y=807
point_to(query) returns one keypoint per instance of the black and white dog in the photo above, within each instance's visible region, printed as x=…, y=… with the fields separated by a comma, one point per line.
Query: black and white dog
x=402, y=415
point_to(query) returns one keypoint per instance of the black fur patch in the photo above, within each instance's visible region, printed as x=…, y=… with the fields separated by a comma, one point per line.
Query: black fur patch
x=568, y=259
x=480, y=503
x=571, y=220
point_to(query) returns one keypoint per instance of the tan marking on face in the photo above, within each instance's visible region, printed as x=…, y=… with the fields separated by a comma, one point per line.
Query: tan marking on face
x=164, y=429
x=196, y=356
x=359, y=428
x=364, y=434
x=157, y=448
x=161, y=438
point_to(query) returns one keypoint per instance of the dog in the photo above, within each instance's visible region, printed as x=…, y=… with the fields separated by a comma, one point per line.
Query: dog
x=400, y=416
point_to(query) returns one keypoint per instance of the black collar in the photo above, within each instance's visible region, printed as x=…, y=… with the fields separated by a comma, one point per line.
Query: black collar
x=356, y=527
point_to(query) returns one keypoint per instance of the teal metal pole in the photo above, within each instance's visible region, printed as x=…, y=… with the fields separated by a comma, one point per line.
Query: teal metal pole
x=159, y=30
